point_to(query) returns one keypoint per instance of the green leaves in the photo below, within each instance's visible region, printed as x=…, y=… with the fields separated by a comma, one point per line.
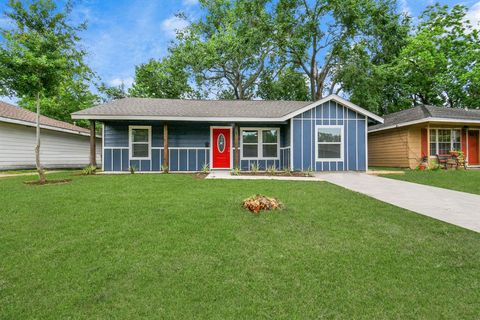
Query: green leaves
x=40, y=55
x=441, y=60
x=229, y=47
x=166, y=78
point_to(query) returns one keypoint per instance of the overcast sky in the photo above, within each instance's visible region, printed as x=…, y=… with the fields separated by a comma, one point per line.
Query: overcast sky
x=125, y=33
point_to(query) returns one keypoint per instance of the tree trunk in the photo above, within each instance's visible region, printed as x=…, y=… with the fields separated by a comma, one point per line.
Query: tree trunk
x=41, y=173
x=93, y=147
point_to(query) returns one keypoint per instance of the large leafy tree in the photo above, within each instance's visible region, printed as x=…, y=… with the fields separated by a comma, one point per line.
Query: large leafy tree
x=166, y=78
x=440, y=62
x=283, y=84
x=319, y=35
x=109, y=93
x=39, y=54
x=229, y=48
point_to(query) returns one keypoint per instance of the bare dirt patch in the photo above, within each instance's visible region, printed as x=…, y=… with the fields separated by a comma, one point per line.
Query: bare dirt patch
x=48, y=182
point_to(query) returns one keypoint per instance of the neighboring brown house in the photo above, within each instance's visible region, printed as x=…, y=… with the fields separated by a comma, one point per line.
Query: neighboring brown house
x=409, y=135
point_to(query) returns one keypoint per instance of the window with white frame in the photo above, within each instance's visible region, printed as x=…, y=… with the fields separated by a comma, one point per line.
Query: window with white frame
x=140, y=141
x=442, y=141
x=262, y=143
x=329, y=143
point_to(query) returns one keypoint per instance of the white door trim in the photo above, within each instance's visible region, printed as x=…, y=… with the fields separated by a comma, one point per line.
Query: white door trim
x=229, y=149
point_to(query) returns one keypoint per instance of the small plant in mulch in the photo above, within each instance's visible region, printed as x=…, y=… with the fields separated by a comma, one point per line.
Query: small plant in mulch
x=89, y=170
x=47, y=182
x=259, y=202
x=132, y=169
x=271, y=170
x=165, y=168
x=254, y=168
x=205, y=168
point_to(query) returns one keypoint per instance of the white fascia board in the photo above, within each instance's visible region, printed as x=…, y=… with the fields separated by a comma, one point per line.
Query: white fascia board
x=162, y=118
x=429, y=119
x=42, y=126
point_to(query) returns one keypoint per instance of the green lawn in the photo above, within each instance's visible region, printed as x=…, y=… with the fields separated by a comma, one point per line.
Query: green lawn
x=174, y=246
x=460, y=180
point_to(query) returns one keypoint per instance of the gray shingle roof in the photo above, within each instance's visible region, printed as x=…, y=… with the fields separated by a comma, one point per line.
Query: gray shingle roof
x=12, y=112
x=195, y=108
x=425, y=112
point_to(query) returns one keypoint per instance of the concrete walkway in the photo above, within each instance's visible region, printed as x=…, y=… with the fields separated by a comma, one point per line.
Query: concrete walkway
x=458, y=208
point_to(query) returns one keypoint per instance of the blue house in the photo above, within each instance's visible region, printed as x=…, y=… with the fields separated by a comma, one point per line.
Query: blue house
x=185, y=135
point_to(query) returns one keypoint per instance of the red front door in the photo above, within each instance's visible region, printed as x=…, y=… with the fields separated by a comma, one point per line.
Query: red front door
x=473, y=147
x=221, y=148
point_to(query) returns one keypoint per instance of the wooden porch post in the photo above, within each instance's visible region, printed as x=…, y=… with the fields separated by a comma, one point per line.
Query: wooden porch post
x=165, y=147
x=428, y=144
x=236, y=138
x=93, y=147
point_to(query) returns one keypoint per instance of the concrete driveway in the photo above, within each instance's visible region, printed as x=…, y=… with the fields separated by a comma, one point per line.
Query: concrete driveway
x=458, y=208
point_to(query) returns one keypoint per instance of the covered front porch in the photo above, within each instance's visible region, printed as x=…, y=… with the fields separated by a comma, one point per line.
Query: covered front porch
x=156, y=146
x=442, y=139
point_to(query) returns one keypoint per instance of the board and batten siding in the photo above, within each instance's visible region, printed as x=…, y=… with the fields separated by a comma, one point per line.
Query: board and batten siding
x=354, y=138
x=283, y=161
x=57, y=149
x=188, y=146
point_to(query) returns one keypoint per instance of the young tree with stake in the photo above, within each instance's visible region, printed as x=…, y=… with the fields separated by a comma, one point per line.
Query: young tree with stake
x=39, y=53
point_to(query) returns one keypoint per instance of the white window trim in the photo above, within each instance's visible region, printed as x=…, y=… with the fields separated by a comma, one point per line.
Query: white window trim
x=436, y=139
x=130, y=142
x=260, y=143
x=342, y=146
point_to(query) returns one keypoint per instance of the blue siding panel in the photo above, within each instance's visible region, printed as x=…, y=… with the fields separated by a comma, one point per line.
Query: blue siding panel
x=192, y=160
x=361, y=142
x=135, y=164
x=183, y=160
x=307, y=144
x=297, y=145
x=157, y=136
x=125, y=159
x=202, y=158
x=107, y=159
x=244, y=165
x=332, y=111
x=352, y=145
x=145, y=165
x=117, y=160
x=116, y=135
x=325, y=114
x=156, y=160
x=329, y=113
x=173, y=154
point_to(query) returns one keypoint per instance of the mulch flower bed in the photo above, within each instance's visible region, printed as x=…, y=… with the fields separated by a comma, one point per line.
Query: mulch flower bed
x=275, y=174
x=200, y=175
x=48, y=182
x=258, y=203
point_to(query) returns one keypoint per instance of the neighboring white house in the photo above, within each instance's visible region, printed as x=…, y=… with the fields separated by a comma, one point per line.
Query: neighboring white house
x=63, y=145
